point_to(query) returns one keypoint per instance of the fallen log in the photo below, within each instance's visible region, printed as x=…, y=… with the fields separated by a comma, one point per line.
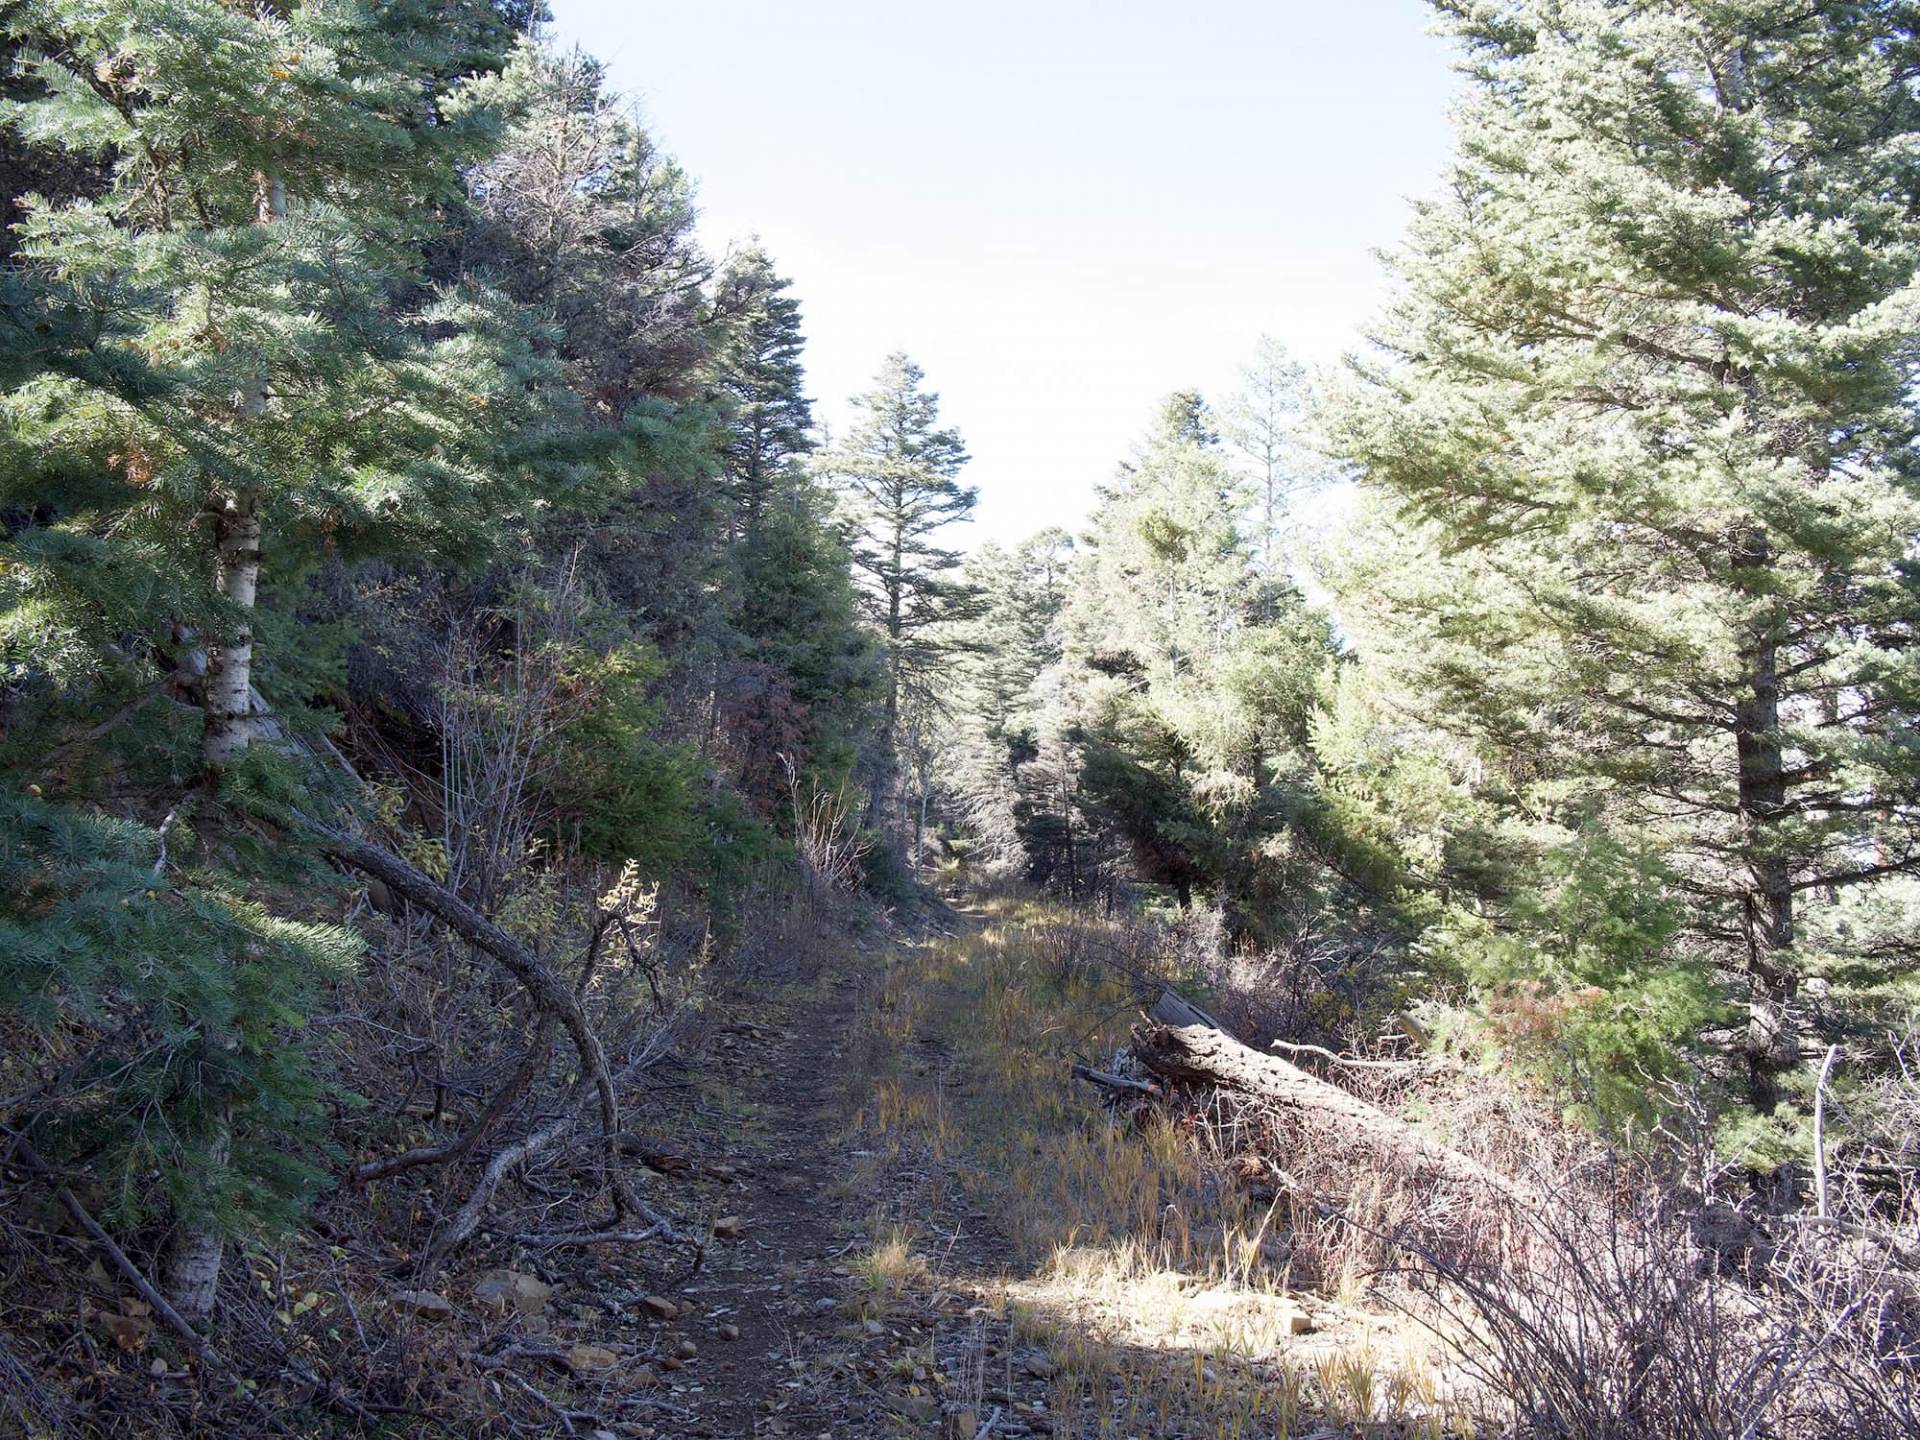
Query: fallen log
x=1204, y=1055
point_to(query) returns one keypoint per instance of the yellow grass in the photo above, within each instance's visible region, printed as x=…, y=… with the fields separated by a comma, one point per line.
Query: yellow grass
x=1159, y=1295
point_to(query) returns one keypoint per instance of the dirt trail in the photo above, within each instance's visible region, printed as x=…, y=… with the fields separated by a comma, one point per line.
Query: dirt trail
x=789, y=1340
x=884, y=1131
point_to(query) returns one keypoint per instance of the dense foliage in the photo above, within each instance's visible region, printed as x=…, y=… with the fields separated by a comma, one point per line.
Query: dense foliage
x=1616, y=739
x=376, y=440
x=381, y=455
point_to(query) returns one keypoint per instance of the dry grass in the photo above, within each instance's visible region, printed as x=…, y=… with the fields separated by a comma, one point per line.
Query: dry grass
x=1152, y=1290
x=1163, y=1255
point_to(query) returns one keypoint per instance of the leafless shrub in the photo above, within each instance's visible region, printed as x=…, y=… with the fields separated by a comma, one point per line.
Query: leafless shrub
x=828, y=837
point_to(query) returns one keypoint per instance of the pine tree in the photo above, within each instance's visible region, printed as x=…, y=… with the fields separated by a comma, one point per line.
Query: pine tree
x=1645, y=433
x=898, y=471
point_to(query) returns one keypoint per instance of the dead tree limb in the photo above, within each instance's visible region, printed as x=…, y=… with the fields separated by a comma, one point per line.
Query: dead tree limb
x=1416, y=1064
x=197, y=1344
x=542, y=985
x=1107, y=1081
x=503, y=1100
x=467, y=1218
x=1199, y=1054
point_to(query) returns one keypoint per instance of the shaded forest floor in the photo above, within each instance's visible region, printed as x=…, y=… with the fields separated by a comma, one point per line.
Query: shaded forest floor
x=918, y=1226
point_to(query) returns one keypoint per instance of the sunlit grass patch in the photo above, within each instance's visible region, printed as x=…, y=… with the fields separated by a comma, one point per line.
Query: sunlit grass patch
x=1152, y=1296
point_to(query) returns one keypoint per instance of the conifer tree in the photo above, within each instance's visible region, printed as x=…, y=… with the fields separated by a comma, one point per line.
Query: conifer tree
x=899, y=473
x=1196, y=676
x=212, y=381
x=1644, y=431
x=1262, y=423
x=770, y=419
x=992, y=735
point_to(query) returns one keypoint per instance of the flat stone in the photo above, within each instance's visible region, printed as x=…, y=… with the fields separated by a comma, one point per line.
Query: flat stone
x=503, y=1290
x=592, y=1357
x=428, y=1304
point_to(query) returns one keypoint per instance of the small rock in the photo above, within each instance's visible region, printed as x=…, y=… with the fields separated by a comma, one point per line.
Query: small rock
x=1039, y=1366
x=644, y=1376
x=686, y=1350
x=661, y=1306
x=727, y=1227
x=428, y=1304
x=1298, y=1322
x=728, y=1332
x=502, y=1290
x=874, y=1327
x=592, y=1357
x=672, y=1362
x=825, y=1303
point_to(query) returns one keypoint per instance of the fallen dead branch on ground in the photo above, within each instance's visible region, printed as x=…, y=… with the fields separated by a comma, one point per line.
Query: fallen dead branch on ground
x=551, y=997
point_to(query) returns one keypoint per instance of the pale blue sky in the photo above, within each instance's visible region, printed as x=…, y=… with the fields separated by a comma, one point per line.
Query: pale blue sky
x=1062, y=210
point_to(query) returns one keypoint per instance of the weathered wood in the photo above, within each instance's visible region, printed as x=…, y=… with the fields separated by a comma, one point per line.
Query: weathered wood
x=1415, y=1065
x=1107, y=1081
x=549, y=994
x=1203, y=1055
x=1170, y=1007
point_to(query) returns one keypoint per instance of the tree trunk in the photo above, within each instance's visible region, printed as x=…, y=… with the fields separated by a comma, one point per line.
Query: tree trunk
x=190, y=1269
x=1773, y=979
x=1200, y=1053
x=229, y=724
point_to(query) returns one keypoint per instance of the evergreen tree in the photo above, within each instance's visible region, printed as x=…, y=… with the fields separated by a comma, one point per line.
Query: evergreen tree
x=899, y=473
x=1196, y=675
x=993, y=733
x=769, y=418
x=1262, y=423
x=210, y=380
x=1645, y=436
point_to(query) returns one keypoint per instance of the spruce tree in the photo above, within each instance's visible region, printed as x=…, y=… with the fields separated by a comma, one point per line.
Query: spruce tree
x=221, y=368
x=1644, y=433
x=898, y=471
x=759, y=371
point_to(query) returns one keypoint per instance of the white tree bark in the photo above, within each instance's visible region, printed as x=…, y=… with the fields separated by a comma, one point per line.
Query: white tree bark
x=190, y=1273
x=230, y=723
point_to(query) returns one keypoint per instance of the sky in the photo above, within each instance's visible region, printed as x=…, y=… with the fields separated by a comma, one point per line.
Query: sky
x=1062, y=210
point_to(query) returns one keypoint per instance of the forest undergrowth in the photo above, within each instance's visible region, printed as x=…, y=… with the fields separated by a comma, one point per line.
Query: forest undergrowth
x=1196, y=1264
